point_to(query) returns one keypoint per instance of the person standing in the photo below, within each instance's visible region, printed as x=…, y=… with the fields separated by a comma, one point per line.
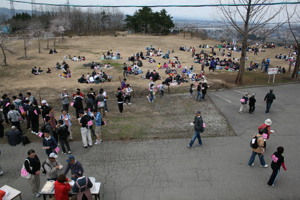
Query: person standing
x=127, y=92
x=74, y=165
x=204, y=88
x=244, y=102
x=34, y=113
x=82, y=186
x=263, y=63
x=5, y=106
x=277, y=162
x=49, y=143
x=120, y=99
x=66, y=117
x=85, y=129
x=51, y=166
x=100, y=102
x=62, y=132
x=98, y=122
x=53, y=123
x=61, y=188
x=32, y=165
x=259, y=150
x=198, y=126
x=269, y=100
x=123, y=84
x=151, y=88
x=78, y=99
x=267, y=130
x=125, y=70
x=105, y=100
x=252, y=101
x=162, y=89
x=14, y=117
x=65, y=100
x=199, y=90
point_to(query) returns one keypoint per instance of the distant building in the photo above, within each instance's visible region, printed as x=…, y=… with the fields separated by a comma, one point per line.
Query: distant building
x=5, y=28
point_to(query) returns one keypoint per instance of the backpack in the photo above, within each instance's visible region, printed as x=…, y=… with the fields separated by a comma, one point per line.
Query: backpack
x=89, y=103
x=253, y=142
x=25, y=140
x=43, y=168
x=76, y=102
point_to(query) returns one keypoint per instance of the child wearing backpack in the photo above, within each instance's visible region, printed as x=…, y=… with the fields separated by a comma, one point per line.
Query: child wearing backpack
x=257, y=145
x=162, y=89
x=277, y=162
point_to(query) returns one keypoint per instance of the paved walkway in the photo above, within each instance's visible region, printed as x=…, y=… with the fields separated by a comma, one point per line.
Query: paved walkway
x=167, y=169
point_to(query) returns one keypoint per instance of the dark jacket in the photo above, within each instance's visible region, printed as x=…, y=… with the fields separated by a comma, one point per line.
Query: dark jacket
x=119, y=96
x=14, y=137
x=45, y=110
x=82, y=182
x=74, y=167
x=48, y=127
x=62, y=132
x=252, y=101
x=269, y=97
x=32, y=115
x=3, y=104
x=198, y=124
x=35, y=165
x=50, y=143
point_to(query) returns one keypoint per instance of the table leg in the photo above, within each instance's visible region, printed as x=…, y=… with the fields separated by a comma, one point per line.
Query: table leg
x=20, y=196
x=44, y=196
x=95, y=197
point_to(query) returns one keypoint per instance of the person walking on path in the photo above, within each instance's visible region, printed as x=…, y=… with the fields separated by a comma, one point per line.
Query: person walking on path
x=66, y=117
x=252, y=101
x=199, y=90
x=259, y=150
x=277, y=162
x=32, y=165
x=244, y=101
x=198, y=126
x=62, y=132
x=267, y=130
x=124, y=70
x=269, y=100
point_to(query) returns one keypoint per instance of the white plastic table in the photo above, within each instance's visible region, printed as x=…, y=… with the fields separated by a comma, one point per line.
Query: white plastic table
x=13, y=193
x=95, y=190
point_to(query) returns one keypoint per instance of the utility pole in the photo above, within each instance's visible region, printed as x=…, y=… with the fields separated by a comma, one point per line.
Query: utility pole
x=12, y=8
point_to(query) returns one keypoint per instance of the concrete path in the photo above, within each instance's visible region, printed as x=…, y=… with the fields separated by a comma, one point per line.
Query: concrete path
x=167, y=169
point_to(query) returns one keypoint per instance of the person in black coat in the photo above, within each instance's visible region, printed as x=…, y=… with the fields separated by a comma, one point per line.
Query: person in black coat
x=63, y=133
x=252, y=101
x=5, y=106
x=34, y=113
x=32, y=165
x=119, y=96
x=14, y=136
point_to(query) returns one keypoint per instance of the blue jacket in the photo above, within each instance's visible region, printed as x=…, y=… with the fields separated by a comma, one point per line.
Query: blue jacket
x=50, y=143
x=98, y=119
x=82, y=182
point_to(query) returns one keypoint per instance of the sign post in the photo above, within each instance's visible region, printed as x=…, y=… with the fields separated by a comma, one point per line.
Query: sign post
x=272, y=71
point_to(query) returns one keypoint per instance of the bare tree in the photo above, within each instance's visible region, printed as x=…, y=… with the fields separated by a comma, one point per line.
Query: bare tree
x=60, y=25
x=26, y=37
x=5, y=45
x=293, y=22
x=253, y=19
x=37, y=31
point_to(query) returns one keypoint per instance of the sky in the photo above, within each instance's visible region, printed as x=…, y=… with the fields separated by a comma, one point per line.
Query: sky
x=185, y=13
x=196, y=13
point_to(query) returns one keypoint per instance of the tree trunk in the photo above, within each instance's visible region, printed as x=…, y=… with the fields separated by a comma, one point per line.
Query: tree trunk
x=239, y=77
x=47, y=43
x=296, y=68
x=39, y=44
x=62, y=37
x=184, y=33
x=25, y=49
x=4, y=56
x=54, y=41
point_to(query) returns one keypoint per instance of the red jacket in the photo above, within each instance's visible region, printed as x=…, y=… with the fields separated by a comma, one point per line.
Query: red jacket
x=263, y=126
x=61, y=190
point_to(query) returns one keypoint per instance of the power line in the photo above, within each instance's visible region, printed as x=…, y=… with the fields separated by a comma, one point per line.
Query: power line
x=129, y=6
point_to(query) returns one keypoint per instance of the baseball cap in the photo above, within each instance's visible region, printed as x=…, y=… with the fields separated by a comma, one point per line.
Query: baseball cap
x=198, y=112
x=53, y=155
x=70, y=158
x=44, y=101
x=79, y=172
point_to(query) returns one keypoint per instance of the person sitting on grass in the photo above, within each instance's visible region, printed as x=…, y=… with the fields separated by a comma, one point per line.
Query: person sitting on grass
x=48, y=71
x=34, y=71
x=82, y=79
x=40, y=70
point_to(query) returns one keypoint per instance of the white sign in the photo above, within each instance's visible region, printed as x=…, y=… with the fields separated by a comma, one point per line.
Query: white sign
x=272, y=71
